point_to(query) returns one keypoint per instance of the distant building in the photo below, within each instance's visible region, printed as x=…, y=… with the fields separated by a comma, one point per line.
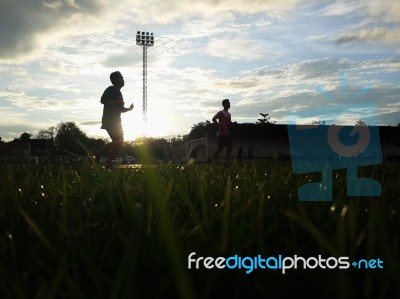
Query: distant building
x=15, y=151
x=41, y=147
x=22, y=151
x=266, y=140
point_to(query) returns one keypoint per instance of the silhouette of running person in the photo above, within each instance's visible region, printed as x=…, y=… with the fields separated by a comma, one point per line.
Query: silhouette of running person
x=111, y=121
x=224, y=131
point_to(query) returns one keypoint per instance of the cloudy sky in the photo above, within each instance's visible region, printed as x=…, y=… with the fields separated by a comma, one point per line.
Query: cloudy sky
x=297, y=60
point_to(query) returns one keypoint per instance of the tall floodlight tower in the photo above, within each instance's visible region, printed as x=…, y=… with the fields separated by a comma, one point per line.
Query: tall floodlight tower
x=145, y=40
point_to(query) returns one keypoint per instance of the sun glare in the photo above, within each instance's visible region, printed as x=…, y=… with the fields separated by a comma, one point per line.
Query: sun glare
x=135, y=127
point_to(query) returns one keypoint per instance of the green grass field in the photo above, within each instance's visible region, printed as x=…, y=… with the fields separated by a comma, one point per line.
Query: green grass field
x=90, y=232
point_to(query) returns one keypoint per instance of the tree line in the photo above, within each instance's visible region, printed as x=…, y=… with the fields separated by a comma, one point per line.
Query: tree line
x=66, y=138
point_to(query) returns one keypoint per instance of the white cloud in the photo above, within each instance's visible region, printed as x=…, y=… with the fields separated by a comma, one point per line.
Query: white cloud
x=379, y=34
x=208, y=27
x=169, y=11
x=235, y=48
x=11, y=92
x=28, y=27
x=388, y=10
x=376, y=20
x=385, y=11
x=18, y=98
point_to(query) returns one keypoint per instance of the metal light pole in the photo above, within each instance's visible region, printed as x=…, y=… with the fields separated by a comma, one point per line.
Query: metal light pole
x=144, y=39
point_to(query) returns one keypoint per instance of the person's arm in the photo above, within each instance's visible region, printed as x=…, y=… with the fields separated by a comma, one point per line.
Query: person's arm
x=123, y=110
x=214, y=119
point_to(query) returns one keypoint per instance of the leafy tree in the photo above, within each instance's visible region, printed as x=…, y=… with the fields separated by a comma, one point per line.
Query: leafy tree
x=361, y=123
x=70, y=138
x=24, y=137
x=48, y=133
x=198, y=130
x=319, y=122
x=176, y=141
x=264, y=119
x=94, y=143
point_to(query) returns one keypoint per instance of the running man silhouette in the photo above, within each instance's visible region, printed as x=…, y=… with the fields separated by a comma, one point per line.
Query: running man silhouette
x=224, y=130
x=111, y=121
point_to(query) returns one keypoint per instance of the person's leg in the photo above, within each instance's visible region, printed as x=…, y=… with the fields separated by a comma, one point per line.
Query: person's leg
x=117, y=136
x=116, y=145
x=228, y=152
x=229, y=147
x=219, y=148
x=217, y=152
